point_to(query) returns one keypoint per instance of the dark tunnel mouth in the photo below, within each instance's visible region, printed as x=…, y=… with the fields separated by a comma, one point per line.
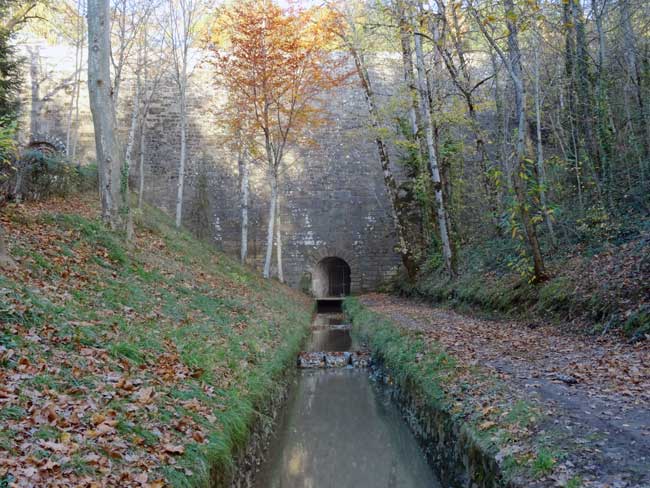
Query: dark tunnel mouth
x=332, y=278
x=329, y=305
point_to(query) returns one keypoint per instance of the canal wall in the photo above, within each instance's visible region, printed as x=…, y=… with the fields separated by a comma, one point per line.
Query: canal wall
x=461, y=456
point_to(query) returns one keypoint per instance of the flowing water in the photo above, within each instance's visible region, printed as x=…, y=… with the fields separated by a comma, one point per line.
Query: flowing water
x=340, y=430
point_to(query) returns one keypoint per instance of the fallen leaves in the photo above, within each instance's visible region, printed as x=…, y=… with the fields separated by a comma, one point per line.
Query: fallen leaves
x=488, y=424
x=173, y=449
x=573, y=372
x=76, y=407
x=144, y=395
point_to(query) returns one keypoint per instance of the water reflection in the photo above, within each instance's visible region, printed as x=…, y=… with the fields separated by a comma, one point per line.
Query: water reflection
x=338, y=431
x=330, y=340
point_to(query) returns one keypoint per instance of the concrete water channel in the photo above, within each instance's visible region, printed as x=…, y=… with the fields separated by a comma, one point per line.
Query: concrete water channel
x=340, y=429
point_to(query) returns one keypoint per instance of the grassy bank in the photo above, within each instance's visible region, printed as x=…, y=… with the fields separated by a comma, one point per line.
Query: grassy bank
x=470, y=422
x=140, y=365
x=591, y=289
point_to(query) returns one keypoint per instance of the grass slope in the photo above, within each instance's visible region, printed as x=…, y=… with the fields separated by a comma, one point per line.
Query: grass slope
x=137, y=366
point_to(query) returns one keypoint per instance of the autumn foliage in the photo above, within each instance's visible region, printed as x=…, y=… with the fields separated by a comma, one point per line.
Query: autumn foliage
x=275, y=64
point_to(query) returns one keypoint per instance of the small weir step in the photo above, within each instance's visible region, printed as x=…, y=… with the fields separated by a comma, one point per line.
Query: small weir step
x=333, y=359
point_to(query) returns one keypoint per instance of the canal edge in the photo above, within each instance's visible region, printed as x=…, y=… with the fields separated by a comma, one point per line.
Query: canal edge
x=248, y=457
x=452, y=449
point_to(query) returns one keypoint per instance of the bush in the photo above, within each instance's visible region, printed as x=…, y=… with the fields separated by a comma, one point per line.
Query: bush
x=42, y=175
x=7, y=153
x=88, y=178
x=637, y=324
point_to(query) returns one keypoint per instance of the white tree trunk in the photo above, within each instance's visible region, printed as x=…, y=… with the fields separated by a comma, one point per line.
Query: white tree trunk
x=36, y=102
x=269, y=232
x=433, y=160
x=77, y=79
x=75, y=135
x=102, y=108
x=540, y=153
x=181, y=165
x=143, y=118
x=135, y=112
x=278, y=239
x=243, y=170
x=5, y=258
x=141, y=168
x=384, y=159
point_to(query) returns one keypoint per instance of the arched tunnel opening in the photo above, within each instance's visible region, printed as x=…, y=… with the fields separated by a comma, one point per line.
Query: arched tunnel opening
x=331, y=283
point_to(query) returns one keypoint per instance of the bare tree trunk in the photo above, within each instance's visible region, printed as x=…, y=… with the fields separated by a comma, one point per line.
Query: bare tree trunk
x=36, y=101
x=143, y=144
x=407, y=66
x=75, y=135
x=271, y=224
x=278, y=239
x=143, y=118
x=634, y=74
x=512, y=61
x=585, y=92
x=415, y=117
x=602, y=101
x=520, y=108
x=183, y=22
x=103, y=112
x=389, y=180
x=244, y=189
x=501, y=125
x=77, y=82
x=135, y=112
x=432, y=157
x=541, y=171
x=5, y=258
x=181, y=163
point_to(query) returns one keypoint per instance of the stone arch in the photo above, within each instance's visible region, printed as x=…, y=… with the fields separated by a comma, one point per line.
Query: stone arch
x=317, y=255
x=46, y=144
x=331, y=278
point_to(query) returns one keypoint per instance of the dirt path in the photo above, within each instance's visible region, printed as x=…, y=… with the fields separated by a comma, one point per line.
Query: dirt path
x=596, y=391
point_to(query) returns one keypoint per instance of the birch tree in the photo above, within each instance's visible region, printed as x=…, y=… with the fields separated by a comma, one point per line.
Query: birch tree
x=184, y=16
x=244, y=189
x=425, y=110
x=73, y=108
x=348, y=33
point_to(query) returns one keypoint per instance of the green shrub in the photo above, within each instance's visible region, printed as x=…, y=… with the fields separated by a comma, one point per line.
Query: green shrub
x=41, y=175
x=637, y=324
x=555, y=295
x=88, y=178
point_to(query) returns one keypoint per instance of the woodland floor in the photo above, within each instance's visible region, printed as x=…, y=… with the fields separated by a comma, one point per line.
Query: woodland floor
x=593, y=392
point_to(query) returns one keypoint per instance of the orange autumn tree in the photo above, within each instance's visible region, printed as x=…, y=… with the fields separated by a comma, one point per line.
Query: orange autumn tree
x=275, y=63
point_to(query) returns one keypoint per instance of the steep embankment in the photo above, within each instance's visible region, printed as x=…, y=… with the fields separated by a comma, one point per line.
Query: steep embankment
x=596, y=289
x=137, y=366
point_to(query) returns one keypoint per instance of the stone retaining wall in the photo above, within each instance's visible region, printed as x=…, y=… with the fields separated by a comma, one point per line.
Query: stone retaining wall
x=333, y=200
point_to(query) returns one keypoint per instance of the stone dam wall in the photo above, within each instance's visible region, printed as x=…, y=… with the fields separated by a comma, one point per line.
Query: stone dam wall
x=332, y=197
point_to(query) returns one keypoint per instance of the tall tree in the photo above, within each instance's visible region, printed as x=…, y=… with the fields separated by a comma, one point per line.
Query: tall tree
x=113, y=194
x=635, y=79
x=425, y=110
x=513, y=63
x=348, y=31
x=184, y=17
x=276, y=67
